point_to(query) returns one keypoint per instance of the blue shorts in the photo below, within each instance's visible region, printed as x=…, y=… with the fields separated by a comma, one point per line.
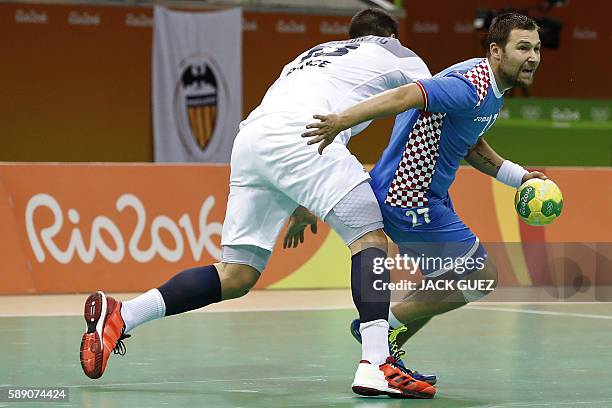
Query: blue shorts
x=436, y=234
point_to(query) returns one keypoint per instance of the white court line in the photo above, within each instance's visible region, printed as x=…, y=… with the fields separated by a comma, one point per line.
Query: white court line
x=304, y=378
x=557, y=303
x=549, y=404
x=541, y=312
x=326, y=308
x=469, y=307
x=248, y=309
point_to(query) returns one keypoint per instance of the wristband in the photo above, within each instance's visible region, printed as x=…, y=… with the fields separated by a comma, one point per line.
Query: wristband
x=511, y=174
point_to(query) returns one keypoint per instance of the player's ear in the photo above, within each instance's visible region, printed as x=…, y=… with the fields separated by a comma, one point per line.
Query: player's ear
x=495, y=51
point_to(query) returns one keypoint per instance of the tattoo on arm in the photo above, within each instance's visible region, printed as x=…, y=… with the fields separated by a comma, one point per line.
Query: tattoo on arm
x=487, y=160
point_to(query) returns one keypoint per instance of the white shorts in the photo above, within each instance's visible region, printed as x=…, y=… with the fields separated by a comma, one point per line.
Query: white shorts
x=273, y=171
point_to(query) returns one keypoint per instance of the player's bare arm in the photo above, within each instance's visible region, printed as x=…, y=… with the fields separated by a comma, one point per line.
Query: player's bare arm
x=483, y=158
x=299, y=220
x=387, y=103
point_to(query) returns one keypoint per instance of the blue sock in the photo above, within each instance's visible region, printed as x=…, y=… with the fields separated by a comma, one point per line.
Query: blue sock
x=191, y=289
x=371, y=304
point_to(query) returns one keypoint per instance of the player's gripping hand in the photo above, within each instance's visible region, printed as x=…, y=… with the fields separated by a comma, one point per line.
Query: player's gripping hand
x=325, y=131
x=533, y=174
x=298, y=221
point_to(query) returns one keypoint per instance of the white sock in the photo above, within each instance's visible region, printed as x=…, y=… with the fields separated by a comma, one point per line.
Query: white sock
x=374, y=341
x=146, y=307
x=393, y=322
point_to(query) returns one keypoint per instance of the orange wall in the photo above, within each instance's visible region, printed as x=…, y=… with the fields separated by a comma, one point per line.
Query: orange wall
x=81, y=227
x=82, y=93
x=578, y=69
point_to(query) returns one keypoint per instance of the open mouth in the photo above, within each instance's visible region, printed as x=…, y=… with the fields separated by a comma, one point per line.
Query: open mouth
x=527, y=71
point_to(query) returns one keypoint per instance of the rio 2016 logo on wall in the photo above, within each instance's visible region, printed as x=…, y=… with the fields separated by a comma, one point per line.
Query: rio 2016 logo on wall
x=107, y=236
x=201, y=101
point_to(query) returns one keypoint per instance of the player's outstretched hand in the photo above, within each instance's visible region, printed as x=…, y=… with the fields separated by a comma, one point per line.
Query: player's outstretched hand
x=325, y=131
x=534, y=174
x=298, y=221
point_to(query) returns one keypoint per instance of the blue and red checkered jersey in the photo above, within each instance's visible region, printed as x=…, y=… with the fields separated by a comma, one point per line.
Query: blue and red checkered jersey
x=461, y=104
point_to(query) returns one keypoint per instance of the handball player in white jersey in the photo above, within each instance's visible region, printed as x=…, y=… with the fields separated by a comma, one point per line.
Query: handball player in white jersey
x=274, y=177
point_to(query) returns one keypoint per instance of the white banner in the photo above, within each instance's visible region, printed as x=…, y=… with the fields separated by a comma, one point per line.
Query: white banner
x=197, y=84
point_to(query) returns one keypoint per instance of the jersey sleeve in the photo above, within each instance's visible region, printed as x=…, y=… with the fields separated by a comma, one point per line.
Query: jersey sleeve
x=448, y=94
x=407, y=71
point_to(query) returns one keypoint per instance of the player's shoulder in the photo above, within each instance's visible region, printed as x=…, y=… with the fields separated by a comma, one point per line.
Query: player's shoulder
x=477, y=73
x=372, y=43
x=464, y=67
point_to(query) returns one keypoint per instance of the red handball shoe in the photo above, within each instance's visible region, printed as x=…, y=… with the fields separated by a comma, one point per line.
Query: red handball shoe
x=104, y=335
x=389, y=379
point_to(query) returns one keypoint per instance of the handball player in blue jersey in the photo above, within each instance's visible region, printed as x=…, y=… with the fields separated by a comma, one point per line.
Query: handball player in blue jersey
x=441, y=121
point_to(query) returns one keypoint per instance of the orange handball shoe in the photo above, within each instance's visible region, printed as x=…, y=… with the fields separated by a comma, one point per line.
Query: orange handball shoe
x=104, y=335
x=399, y=378
x=389, y=379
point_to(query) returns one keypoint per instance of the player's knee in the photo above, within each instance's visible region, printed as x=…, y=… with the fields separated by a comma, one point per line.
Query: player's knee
x=482, y=283
x=373, y=239
x=237, y=279
x=358, y=220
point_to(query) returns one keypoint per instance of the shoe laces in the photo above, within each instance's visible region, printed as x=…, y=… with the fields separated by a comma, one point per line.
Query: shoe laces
x=396, y=352
x=395, y=363
x=120, y=346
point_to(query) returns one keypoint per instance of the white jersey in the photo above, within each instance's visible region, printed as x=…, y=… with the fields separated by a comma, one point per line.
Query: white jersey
x=274, y=170
x=334, y=76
